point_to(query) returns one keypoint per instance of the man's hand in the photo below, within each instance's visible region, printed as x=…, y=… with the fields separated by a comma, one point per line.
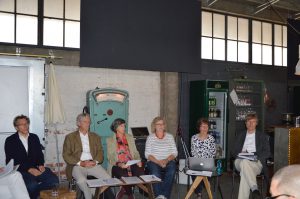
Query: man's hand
x=41, y=168
x=1, y=169
x=34, y=171
x=88, y=163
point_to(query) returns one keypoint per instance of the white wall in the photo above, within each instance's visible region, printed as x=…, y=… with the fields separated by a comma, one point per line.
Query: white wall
x=74, y=82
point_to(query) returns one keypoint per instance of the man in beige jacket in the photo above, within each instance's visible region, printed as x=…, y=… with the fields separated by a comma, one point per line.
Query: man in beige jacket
x=82, y=151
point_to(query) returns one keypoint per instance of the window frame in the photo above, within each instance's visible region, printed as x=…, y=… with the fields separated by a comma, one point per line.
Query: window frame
x=40, y=26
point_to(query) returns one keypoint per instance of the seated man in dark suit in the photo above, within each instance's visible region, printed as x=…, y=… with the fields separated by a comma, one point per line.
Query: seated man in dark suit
x=255, y=142
x=26, y=150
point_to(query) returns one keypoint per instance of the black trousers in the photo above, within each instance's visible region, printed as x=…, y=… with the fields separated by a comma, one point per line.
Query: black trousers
x=118, y=172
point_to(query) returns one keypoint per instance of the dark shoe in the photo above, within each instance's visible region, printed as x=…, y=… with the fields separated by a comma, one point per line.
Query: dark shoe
x=256, y=194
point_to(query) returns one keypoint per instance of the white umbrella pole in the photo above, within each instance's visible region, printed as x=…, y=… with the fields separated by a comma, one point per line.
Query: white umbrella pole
x=57, y=154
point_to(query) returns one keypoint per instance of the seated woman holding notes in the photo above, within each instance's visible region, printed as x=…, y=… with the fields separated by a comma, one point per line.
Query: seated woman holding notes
x=202, y=146
x=123, y=157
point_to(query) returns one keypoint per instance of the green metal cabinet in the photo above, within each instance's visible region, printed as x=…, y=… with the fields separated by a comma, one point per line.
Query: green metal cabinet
x=105, y=105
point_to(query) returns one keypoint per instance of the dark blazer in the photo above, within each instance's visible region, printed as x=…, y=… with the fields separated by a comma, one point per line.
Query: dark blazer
x=262, y=148
x=72, y=150
x=14, y=149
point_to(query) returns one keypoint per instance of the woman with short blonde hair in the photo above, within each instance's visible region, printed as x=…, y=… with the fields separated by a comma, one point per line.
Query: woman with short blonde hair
x=161, y=152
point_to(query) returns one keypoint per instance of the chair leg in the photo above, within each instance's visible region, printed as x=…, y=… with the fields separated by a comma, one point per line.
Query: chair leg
x=232, y=189
x=262, y=186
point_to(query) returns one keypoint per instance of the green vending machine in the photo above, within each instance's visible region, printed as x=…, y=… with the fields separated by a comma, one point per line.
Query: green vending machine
x=208, y=99
x=105, y=105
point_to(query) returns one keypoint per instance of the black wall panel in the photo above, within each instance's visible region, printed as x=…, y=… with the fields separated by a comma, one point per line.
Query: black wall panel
x=162, y=35
x=293, y=41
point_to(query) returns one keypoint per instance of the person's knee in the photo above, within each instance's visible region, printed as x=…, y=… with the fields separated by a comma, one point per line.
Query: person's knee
x=32, y=186
x=244, y=164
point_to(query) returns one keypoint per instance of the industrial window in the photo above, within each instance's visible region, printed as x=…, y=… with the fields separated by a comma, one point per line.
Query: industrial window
x=280, y=45
x=261, y=43
x=59, y=25
x=20, y=19
x=237, y=39
x=213, y=36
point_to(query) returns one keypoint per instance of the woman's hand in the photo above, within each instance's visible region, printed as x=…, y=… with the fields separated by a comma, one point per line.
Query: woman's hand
x=140, y=164
x=123, y=165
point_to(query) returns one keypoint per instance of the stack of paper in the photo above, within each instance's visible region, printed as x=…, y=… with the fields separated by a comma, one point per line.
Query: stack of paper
x=248, y=156
x=150, y=178
x=132, y=180
x=103, y=182
x=9, y=168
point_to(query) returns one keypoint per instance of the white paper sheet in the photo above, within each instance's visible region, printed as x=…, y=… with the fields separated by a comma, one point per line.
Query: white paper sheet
x=8, y=168
x=150, y=178
x=132, y=180
x=198, y=173
x=234, y=97
x=132, y=162
x=103, y=182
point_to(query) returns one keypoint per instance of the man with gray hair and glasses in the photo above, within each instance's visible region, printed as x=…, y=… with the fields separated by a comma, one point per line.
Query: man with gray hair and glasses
x=285, y=183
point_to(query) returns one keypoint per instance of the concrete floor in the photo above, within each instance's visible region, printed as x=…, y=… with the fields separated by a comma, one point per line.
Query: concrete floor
x=180, y=190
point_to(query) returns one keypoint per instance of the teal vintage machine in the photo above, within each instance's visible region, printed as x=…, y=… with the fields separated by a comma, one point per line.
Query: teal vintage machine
x=105, y=105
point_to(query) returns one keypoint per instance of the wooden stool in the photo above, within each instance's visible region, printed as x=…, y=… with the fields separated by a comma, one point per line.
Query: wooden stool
x=63, y=193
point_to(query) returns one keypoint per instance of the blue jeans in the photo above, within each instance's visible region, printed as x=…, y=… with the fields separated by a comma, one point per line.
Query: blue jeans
x=167, y=176
x=35, y=184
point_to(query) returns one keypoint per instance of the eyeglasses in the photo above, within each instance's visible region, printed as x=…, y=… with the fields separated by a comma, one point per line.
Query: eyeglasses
x=273, y=197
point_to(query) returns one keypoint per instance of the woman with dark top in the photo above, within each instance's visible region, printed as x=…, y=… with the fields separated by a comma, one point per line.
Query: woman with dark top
x=120, y=149
x=202, y=146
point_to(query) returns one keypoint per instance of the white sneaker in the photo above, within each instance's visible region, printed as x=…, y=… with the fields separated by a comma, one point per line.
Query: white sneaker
x=161, y=197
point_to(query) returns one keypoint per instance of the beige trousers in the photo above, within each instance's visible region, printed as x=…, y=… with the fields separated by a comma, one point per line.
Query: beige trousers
x=80, y=174
x=248, y=172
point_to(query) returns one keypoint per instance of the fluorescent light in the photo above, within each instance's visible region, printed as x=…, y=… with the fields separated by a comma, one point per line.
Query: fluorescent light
x=297, y=68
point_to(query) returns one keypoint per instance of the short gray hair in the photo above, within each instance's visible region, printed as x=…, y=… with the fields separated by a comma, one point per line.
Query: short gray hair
x=288, y=180
x=80, y=116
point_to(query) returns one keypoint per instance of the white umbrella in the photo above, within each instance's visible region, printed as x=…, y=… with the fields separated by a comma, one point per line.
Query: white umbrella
x=54, y=108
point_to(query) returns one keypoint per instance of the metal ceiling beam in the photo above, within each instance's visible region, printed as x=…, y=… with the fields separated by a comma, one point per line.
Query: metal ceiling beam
x=265, y=6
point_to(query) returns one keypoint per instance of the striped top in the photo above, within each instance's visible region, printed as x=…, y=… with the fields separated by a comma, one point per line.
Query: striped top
x=160, y=148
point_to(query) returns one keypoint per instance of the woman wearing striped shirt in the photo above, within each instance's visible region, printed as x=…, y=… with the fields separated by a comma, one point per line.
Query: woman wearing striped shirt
x=160, y=152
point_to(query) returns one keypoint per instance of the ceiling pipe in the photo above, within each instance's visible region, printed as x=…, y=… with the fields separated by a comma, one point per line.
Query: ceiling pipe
x=211, y=3
x=270, y=3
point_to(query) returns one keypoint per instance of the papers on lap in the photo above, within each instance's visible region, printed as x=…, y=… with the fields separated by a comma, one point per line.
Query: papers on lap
x=248, y=156
x=132, y=180
x=103, y=182
x=9, y=168
x=132, y=162
x=150, y=178
x=198, y=173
